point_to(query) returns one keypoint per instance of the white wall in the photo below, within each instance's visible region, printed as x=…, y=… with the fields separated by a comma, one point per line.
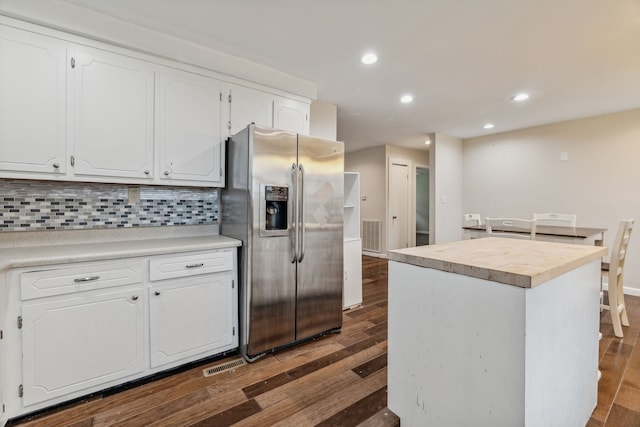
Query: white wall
x=323, y=121
x=445, y=180
x=518, y=173
x=372, y=163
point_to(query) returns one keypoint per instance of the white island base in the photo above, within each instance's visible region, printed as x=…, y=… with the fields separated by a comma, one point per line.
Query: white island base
x=467, y=351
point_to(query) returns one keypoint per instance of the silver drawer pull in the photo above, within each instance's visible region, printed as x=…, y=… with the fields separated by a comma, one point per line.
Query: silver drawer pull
x=135, y=297
x=198, y=265
x=86, y=279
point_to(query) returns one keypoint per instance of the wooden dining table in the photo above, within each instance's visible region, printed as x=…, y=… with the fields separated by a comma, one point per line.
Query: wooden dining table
x=548, y=233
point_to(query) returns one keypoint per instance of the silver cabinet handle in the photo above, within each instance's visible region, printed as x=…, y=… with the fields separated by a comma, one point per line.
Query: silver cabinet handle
x=157, y=292
x=135, y=297
x=198, y=265
x=301, y=220
x=147, y=172
x=166, y=173
x=86, y=279
x=56, y=165
x=294, y=220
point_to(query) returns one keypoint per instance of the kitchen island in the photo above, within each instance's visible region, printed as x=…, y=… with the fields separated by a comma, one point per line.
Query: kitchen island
x=494, y=332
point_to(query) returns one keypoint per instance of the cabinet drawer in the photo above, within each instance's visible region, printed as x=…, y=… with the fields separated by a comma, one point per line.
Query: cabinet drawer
x=59, y=281
x=190, y=265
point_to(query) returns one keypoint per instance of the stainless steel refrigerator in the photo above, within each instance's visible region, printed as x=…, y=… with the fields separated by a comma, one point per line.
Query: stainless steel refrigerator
x=284, y=200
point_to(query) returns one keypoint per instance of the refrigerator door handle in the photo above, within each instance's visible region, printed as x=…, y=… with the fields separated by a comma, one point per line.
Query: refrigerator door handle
x=301, y=201
x=294, y=220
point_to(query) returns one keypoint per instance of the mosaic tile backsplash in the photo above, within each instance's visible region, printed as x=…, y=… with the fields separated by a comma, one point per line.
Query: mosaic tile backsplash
x=42, y=205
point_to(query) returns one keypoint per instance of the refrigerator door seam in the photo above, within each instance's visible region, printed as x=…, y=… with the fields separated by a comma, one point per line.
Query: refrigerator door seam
x=302, y=223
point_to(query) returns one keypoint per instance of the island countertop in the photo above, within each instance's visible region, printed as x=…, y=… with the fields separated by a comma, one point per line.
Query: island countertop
x=523, y=263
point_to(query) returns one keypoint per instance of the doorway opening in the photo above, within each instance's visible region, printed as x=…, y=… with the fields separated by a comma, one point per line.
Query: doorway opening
x=422, y=205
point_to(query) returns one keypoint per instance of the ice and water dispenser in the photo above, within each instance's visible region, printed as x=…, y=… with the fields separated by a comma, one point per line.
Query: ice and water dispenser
x=275, y=212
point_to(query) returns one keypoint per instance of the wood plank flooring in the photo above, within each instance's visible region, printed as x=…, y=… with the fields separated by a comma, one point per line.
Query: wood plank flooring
x=338, y=380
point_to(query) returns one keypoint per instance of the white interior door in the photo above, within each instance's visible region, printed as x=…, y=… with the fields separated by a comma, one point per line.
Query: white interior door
x=398, y=205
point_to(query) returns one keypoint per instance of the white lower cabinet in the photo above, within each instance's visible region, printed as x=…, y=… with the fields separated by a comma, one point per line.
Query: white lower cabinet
x=80, y=341
x=85, y=327
x=190, y=316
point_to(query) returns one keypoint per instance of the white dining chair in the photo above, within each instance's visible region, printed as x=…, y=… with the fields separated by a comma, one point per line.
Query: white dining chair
x=471, y=219
x=513, y=228
x=614, y=274
x=568, y=220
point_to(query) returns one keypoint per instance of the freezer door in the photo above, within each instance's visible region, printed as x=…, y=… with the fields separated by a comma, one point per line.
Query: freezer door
x=320, y=272
x=272, y=280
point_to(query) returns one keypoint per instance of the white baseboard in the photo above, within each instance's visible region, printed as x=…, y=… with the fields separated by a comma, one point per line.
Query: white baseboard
x=627, y=291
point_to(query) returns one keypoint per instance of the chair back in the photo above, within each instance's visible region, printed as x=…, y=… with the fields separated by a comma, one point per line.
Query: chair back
x=513, y=228
x=470, y=219
x=619, y=252
x=568, y=220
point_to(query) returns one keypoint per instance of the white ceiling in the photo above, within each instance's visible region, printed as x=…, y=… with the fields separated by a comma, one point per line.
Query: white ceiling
x=461, y=59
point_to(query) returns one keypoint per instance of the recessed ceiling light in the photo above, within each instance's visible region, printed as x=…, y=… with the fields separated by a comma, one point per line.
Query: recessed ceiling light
x=369, y=58
x=406, y=99
x=520, y=97
x=427, y=142
x=488, y=126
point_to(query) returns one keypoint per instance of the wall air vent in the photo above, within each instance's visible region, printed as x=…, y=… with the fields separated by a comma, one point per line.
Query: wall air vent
x=371, y=231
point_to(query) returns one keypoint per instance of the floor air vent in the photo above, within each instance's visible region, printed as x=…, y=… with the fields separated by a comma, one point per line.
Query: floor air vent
x=223, y=367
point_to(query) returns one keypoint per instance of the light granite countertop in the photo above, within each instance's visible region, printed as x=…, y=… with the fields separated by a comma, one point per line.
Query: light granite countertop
x=27, y=249
x=522, y=263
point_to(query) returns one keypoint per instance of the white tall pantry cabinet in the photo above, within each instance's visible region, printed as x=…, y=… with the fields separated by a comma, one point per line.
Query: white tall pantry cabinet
x=352, y=293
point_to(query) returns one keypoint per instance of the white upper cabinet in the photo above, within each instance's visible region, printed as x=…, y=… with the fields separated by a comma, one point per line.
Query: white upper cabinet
x=250, y=106
x=189, y=127
x=265, y=109
x=32, y=104
x=80, y=110
x=291, y=115
x=112, y=113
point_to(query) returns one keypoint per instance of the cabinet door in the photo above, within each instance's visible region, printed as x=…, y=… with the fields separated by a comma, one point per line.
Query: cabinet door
x=32, y=103
x=191, y=317
x=112, y=115
x=189, y=128
x=291, y=115
x=352, y=293
x=72, y=344
x=250, y=106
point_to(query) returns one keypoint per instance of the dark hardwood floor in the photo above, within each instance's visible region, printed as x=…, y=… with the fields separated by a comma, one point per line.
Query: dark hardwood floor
x=338, y=380
x=619, y=386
